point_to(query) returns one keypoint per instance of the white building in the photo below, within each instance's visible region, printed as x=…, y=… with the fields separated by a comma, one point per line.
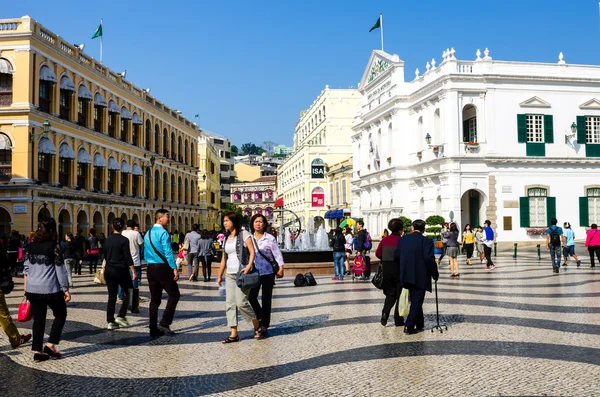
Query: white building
x=513, y=142
x=322, y=137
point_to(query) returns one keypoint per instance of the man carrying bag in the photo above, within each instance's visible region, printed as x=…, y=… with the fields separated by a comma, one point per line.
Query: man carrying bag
x=162, y=274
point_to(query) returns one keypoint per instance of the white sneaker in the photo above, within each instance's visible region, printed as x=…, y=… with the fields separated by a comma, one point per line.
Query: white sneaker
x=122, y=322
x=113, y=326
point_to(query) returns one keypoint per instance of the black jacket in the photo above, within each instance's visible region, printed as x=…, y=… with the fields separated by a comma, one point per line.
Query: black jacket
x=360, y=240
x=339, y=243
x=414, y=254
x=69, y=250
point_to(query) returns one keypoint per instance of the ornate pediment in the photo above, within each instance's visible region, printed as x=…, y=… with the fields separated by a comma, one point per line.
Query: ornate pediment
x=379, y=63
x=535, y=102
x=592, y=104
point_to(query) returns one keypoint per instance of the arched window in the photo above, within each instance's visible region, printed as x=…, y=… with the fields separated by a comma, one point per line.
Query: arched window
x=6, y=83
x=47, y=81
x=173, y=187
x=156, y=184
x=136, y=132
x=113, y=112
x=148, y=135
x=125, y=122
x=538, y=207
x=186, y=192
x=5, y=158
x=180, y=197
x=193, y=161
x=165, y=186
x=67, y=88
x=173, y=145
x=344, y=192
x=180, y=150
x=469, y=114
x=165, y=142
x=99, y=105
x=83, y=161
x=185, y=152
x=84, y=96
x=156, y=138
x=99, y=165
x=148, y=182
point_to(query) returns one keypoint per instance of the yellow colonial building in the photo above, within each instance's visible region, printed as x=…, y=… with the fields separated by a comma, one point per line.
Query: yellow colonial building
x=339, y=178
x=209, y=184
x=80, y=143
x=322, y=137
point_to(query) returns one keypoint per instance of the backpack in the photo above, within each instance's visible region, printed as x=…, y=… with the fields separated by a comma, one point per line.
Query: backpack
x=300, y=280
x=368, y=244
x=555, y=239
x=310, y=279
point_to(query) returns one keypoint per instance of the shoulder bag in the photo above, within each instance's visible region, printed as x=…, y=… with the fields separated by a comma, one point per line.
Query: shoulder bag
x=245, y=281
x=272, y=262
x=161, y=256
x=377, y=279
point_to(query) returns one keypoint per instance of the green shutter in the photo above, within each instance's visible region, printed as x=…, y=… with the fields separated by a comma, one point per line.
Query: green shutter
x=466, y=131
x=548, y=128
x=550, y=208
x=521, y=128
x=581, y=130
x=592, y=150
x=524, y=211
x=536, y=149
x=584, y=211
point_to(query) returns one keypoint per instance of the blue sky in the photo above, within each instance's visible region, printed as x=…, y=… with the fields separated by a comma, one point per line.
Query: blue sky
x=249, y=67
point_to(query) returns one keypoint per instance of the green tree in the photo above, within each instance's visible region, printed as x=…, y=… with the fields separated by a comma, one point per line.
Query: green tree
x=407, y=224
x=251, y=148
x=234, y=150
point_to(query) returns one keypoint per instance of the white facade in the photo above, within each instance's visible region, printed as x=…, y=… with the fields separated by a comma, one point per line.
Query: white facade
x=322, y=137
x=499, y=133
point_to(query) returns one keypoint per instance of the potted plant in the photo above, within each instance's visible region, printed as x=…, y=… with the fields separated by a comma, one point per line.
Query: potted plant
x=436, y=149
x=369, y=166
x=389, y=159
x=420, y=154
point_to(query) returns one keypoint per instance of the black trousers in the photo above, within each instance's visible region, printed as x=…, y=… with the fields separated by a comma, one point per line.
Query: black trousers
x=117, y=277
x=443, y=252
x=39, y=309
x=160, y=277
x=391, y=290
x=93, y=261
x=469, y=249
x=592, y=250
x=263, y=313
x=367, y=260
x=415, y=318
x=206, y=266
x=488, y=255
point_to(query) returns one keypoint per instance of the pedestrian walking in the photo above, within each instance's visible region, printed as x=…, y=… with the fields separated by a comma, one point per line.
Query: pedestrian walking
x=238, y=253
x=269, y=263
x=190, y=245
x=135, y=244
x=569, y=248
x=13, y=246
x=452, y=244
x=93, y=251
x=468, y=242
x=592, y=244
x=479, y=237
x=349, y=242
x=488, y=242
x=414, y=255
x=119, y=272
x=391, y=272
x=445, y=229
x=339, y=254
x=555, y=240
x=206, y=254
x=81, y=244
x=46, y=285
x=162, y=274
x=10, y=329
x=363, y=246
x=70, y=255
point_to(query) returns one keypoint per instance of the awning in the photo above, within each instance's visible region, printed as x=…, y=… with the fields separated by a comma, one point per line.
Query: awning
x=5, y=143
x=337, y=214
x=46, y=146
x=67, y=84
x=327, y=215
x=137, y=170
x=113, y=164
x=137, y=119
x=83, y=157
x=46, y=74
x=66, y=152
x=278, y=203
x=99, y=100
x=125, y=113
x=5, y=67
x=125, y=168
x=99, y=161
x=113, y=107
x=84, y=92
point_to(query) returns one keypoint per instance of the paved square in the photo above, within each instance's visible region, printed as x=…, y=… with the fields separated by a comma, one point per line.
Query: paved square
x=519, y=330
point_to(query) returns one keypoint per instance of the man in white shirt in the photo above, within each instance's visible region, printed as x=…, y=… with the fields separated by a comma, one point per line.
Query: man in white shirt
x=135, y=242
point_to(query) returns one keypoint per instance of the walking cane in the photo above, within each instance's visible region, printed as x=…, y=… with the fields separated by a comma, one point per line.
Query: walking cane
x=437, y=313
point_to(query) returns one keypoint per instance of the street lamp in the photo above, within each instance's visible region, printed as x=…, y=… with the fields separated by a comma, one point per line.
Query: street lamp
x=428, y=139
x=204, y=177
x=46, y=130
x=572, y=134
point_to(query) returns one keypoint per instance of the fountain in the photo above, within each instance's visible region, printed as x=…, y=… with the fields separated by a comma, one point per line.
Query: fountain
x=309, y=246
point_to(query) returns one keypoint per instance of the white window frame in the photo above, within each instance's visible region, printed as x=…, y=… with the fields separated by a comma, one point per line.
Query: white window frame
x=593, y=195
x=472, y=129
x=535, y=128
x=538, y=208
x=592, y=129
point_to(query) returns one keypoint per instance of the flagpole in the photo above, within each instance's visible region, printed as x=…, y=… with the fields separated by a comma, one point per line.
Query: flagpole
x=381, y=23
x=102, y=34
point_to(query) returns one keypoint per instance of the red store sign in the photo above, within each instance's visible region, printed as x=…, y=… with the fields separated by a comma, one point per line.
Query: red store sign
x=318, y=197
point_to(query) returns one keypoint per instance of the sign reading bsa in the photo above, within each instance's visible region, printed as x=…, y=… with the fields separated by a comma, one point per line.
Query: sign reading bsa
x=318, y=197
x=317, y=169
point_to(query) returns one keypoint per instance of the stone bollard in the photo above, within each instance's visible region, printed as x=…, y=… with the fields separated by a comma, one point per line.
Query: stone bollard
x=539, y=248
x=495, y=253
x=515, y=253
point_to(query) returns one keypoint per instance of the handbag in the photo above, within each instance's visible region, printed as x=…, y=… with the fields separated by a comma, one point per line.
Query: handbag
x=439, y=244
x=273, y=263
x=403, y=303
x=377, y=279
x=245, y=281
x=99, y=277
x=24, y=313
x=93, y=251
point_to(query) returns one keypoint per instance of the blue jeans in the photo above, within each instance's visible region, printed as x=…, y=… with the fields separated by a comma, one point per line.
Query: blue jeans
x=555, y=254
x=136, y=283
x=338, y=264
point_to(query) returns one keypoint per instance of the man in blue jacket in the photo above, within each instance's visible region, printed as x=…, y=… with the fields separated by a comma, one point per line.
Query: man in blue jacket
x=487, y=244
x=162, y=274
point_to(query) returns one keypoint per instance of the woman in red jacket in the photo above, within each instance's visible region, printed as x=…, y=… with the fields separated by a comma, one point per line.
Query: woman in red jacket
x=592, y=243
x=391, y=271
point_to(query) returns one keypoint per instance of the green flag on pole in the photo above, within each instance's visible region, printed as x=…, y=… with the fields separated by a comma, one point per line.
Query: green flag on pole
x=99, y=32
x=376, y=26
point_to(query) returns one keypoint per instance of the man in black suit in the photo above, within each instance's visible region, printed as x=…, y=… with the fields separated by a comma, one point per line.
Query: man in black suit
x=414, y=254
